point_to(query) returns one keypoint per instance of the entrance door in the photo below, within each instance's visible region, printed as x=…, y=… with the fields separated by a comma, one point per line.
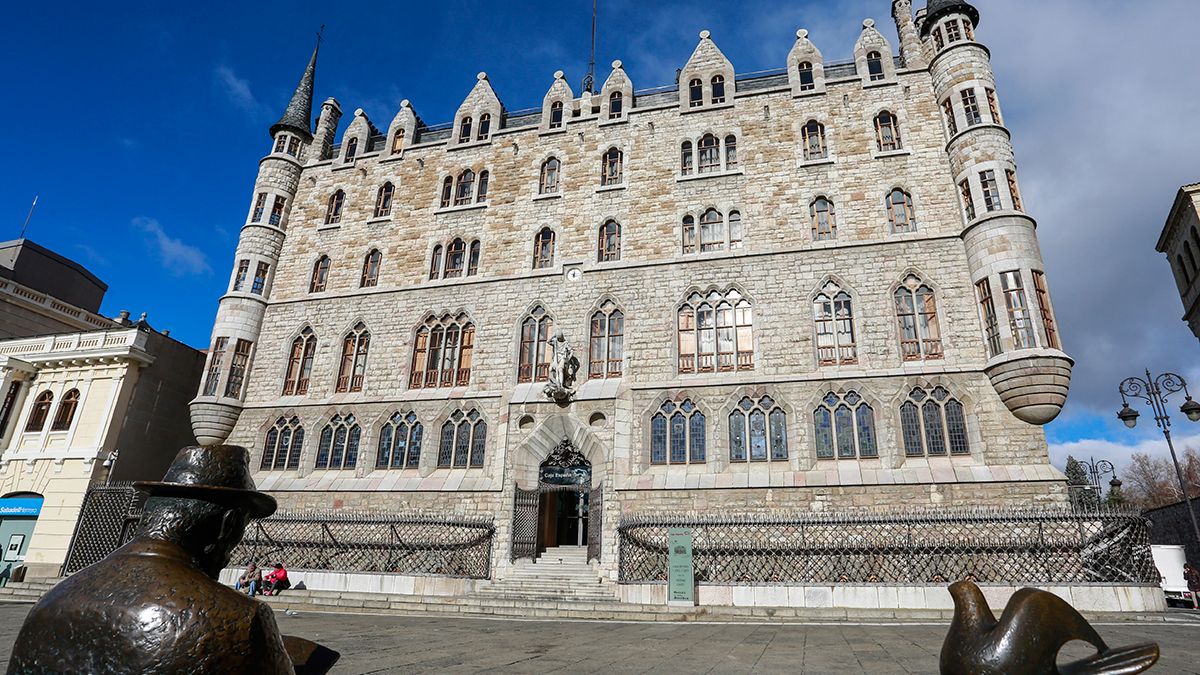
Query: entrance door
x=556, y=513
x=562, y=518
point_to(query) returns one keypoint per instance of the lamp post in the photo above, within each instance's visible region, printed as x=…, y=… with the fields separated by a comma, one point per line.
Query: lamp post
x=1096, y=470
x=1155, y=391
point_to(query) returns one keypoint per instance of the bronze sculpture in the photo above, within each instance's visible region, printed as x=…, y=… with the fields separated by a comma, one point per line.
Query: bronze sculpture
x=1026, y=640
x=154, y=605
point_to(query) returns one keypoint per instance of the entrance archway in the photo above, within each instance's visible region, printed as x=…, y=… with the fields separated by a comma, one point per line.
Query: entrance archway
x=559, y=511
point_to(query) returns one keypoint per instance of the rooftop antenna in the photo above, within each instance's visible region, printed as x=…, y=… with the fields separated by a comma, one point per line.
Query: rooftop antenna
x=31, y=207
x=589, y=80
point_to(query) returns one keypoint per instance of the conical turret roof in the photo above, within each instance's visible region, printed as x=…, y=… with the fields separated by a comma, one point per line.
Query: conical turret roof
x=936, y=9
x=298, y=114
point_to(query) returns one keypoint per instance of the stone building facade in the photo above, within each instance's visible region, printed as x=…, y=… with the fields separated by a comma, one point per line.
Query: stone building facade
x=811, y=289
x=42, y=292
x=1180, y=242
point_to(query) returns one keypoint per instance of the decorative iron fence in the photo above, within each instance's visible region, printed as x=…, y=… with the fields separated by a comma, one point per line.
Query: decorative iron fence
x=108, y=519
x=998, y=546
x=371, y=542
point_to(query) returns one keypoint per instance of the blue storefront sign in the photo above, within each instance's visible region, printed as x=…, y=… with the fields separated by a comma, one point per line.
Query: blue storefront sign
x=20, y=507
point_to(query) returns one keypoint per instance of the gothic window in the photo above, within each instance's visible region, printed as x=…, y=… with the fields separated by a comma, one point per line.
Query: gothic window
x=718, y=89
x=351, y=150
x=338, y=448
x=964, y=190
x=536, y=353
x=464, y=191
x=260, y=278
x=456, y=256
x=383, y=201
x=951, y=122
x=916, y=310
x=833, y=312
x=354, y=359
x=716, y=333
x=971, y=108
x=277, y=211
x=463, y=442
x=333, y=214
x=447, y=191
x=399, y=442
x=482, y=192
x=710, y=154
x=611, y=169
x=678, y=434
x=757, y=431
x=300, y=363
x=543, y=249
x=320, y=275
x=443, y=353
x=987, y=314
x=239, y=279
x=485, y=126
x=931, y=421
x=41, y=411
x=731, y=156
x=66, y=411
x=281, y=449
x=473, y=259
x=260, y=204
x=1013, y=189
x=813, y=135
x=614, y=105
x=695, y=93
x=464, y=130
x=556, y=115
x=1043, y=298
x=548, y=183
x=216, y=361
x=608, y=248
x=685, y=159
x=844, y=427
x=1019, y=319
x=887, y=132
x=991, y=190
x=875, y=66
x=435, y=262
x=689, y=234
x=606, y=349
x=807, y=81
x=370, y=271
x=900, y=211
x=398, y=142
x=993, y=106
x=237, y=368
x=824, y=221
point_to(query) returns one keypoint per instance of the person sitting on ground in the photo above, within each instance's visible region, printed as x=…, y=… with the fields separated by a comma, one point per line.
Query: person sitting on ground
x=276, y=580
x=251, y=580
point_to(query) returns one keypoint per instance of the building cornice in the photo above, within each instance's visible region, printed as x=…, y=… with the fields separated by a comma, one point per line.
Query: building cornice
x=70, y=349
x=1181, y=198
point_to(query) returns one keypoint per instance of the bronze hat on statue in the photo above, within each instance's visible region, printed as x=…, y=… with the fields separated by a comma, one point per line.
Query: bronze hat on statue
x=216, y=473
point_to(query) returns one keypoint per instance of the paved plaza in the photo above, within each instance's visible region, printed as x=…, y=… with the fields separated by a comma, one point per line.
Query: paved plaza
x=399, y=644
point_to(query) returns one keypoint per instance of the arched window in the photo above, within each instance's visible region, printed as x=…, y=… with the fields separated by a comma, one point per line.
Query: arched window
x=383, y=201
x=456, y=256
x=887, y=132
x=320, y=275
x=465, y=191
x=354, y=359
x=875, y=66
x=463, y=442
x=930, y=421
x=734, y=220
x=757, y=431
x=608, y=248
x=41, y=411
x=485, y=126
x=716, y=333
x=398, y=142
x=464, y=130
x=731, y=156
x=824, y=220
x=807, y=81
x=370, y=272
x=1183, y=270
x=900, y=211
x=536, y=330
x=543, y=249
x=339, y=443
x=447, y=191
x=435, y=262
x=548, y=183
x=281, y=449
x=813, y=135
x=611, y=169
x=300, y=363
x=608, y=331
x=695, y=93
x=678, y=434
x=473, y=259
x=615, y=101
x=710, y=154
x=1191, y=257
x=556, y=115
x=833, y=313
x=333, y=213
x=685, y=159
x=712, y=231
x=66, y=411
x=443, y=352
x=718, y=89
x=916, y=310
x=847, y=422
x=399, y=442
x=481, y=194
x=351, y=150
x=689, y=234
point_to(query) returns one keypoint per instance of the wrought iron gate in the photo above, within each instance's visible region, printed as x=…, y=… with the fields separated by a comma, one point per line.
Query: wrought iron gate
x=108, y=519
x=525, y=523
x=595, y=523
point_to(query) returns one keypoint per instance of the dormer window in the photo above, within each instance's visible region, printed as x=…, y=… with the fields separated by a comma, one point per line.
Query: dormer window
x=485, y=126
x=556, y=115
x=695, y=93
x=614, y=105
x=464, y=130
x=398, y=142
x=807, y=80
x=351, y=150
x=718, y=89
x=875, y=66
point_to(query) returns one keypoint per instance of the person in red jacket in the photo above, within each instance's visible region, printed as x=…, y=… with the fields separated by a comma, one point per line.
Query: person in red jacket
x=276, y=580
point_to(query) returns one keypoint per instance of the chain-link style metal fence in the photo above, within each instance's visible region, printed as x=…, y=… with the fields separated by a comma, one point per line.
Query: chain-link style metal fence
x=107, y=519
x=370, y=542
x=997, y=546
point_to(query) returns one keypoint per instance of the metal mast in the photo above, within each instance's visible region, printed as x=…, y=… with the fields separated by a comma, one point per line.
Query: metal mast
x=589, y=80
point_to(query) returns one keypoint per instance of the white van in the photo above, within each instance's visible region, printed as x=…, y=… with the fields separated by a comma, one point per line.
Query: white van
x=1169, y=561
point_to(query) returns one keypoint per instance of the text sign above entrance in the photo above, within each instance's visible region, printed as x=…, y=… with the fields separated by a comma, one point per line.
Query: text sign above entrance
x=20, y=506
x=681, y=585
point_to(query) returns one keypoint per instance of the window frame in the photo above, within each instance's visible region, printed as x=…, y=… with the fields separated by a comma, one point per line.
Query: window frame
x=863, y=439
x=775, y=448
x=694, y=445
x=346, y=447
x=606, y=338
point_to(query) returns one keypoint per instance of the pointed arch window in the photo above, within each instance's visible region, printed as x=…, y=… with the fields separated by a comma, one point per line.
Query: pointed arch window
x=731, y=156
x=718, y=89
x=556, y=115
x=887, y=132
x=442, y=353
x=678, y=434
x=612, y=170
x=464, y=130
x=833, y=314
x=320, y=275
x=695, y=93
x=333, y=213
x=615, y=105
x=40, y=412
x=549, y=181
x=932, y=421
x=900, y=211
x=535, y=356
x=464, y=192
x=370, y=272
x=716, y=333
x=281, y=448
x=383, y=200
x=354, y=359
x=463, y=442
x=916, y=310
x=473, y=259
x=338, y=448
x=757, y=431
x=300, y=363
x=351, y=150
x=710, y=154
x=435, y=262
x=875, y=66
x=813, y=135
x=807, y=81
x=824, y=220
x=485, y=127
x=685, y=159
x=543, y=249
x=447, y=191
x=399, y=442
x=844, y=427
x=456, y=256
x=398, y=142
x=606, y=344
x=66, y=411
x=608, y=248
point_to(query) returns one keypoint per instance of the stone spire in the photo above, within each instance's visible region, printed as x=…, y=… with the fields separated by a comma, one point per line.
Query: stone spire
x=298, y=114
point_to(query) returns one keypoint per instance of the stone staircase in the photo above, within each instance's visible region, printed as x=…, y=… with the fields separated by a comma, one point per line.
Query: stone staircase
x=560, y=574
x=27, y=591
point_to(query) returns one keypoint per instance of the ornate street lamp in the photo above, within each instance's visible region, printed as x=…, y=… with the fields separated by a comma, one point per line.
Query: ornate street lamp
x=1155, y=391
x=1096, y=470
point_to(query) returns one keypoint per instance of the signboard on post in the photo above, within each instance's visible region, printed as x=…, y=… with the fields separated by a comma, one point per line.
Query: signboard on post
x=681, y=578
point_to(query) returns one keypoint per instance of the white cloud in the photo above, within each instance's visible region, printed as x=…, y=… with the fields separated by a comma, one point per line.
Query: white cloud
x=237, y=89
x=180, y=258
x=1118, y=453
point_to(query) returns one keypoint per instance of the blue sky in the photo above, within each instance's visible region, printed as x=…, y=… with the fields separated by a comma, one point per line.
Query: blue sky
x=140, y=125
